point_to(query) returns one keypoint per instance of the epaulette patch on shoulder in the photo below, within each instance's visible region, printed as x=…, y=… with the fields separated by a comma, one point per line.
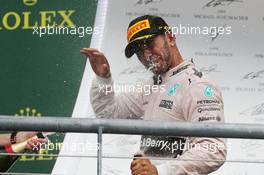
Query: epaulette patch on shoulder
x=197, y=73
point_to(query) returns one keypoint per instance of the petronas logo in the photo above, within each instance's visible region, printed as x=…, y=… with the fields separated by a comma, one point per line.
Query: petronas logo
x=28, y=112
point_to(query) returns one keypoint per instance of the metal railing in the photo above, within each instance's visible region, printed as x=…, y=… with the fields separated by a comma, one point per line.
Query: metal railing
x=134, y=127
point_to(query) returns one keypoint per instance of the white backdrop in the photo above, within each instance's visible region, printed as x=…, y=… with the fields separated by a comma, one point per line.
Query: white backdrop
x=235, y=62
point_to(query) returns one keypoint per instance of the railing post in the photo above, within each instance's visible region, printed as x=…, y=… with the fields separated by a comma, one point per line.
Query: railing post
x=99, y=151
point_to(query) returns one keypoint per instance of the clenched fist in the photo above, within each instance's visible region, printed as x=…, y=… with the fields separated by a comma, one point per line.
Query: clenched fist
x=143, y=167
x=98, y=62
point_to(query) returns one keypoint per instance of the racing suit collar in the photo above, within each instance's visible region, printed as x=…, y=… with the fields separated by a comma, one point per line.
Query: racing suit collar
x=178, y=69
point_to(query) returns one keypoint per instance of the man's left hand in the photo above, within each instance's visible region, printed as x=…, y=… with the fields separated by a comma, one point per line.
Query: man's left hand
x=143, y=167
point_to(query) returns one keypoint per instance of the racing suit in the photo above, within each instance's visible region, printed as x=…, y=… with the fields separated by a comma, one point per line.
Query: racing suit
x=184, y=94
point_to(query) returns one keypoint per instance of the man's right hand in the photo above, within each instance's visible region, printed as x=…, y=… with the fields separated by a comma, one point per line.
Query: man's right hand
x=23, y=136
x=98, y=62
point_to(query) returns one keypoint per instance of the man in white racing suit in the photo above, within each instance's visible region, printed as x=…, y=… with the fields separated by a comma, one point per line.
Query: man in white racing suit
x=179, y=93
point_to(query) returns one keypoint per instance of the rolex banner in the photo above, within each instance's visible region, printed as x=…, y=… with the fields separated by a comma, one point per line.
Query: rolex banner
x=41, y=67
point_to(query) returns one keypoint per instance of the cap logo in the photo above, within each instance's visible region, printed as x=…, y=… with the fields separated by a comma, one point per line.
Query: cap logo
x=139, y=26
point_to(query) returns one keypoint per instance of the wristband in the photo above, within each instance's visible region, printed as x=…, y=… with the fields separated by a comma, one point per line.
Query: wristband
x=8, y=149
x=13, y=137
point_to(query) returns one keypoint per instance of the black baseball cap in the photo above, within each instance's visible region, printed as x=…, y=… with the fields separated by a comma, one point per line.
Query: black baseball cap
x=142, y=28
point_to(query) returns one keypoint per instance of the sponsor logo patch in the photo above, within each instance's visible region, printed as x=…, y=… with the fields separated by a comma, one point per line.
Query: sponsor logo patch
x=208, y=92
x=202, y=102
x=172, y=90
x=139, y=26
x=166, y=104
x=197, y=73
x=206, y=118
x=200, y=110
x=179, y=70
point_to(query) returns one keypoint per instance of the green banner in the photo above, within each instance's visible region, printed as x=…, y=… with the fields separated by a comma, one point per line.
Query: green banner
x=41, y=67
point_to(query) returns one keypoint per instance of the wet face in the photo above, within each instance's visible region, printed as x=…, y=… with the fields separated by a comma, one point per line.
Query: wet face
x=154, y=54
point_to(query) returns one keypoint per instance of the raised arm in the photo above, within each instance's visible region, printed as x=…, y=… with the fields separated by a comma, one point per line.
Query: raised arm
x=105, y=102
